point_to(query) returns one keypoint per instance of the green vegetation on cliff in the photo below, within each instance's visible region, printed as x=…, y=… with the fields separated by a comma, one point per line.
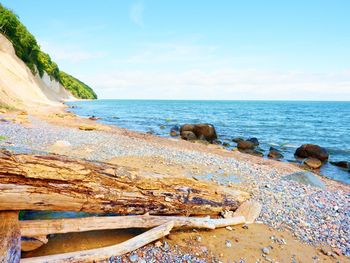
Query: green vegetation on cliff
x=76, y=87
x=29, y=51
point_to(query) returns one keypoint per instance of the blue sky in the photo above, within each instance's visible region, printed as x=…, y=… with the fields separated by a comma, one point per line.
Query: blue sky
x=198, y=49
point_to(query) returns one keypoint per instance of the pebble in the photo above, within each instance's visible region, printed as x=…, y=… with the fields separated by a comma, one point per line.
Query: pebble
x=158, y=244
x=133, y=257
x=228, y=243
x=266, y=251
x=245, y=226
x=229, y=228
x=325, y=252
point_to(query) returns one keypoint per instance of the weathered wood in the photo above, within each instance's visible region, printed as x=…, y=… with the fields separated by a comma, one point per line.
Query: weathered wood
x=33, y=228
x=98, y=254
x=250, y=210
x=32, y=243
x=54, y=182
x=10, y=237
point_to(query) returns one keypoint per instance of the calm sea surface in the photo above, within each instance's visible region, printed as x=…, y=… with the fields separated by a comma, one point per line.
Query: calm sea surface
x=284, y=124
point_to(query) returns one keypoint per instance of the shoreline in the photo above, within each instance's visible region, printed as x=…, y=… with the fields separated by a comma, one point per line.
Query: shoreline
x=262, y=177
x=161, y=129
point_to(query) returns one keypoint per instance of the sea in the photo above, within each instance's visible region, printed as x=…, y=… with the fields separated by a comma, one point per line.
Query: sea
x=282, y=124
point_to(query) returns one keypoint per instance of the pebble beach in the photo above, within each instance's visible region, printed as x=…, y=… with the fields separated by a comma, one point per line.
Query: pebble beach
x=314, y=209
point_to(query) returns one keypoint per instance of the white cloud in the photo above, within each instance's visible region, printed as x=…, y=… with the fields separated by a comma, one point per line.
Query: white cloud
x=200, y=72
x=69, y=52
x=136, y=13
x=222, y=84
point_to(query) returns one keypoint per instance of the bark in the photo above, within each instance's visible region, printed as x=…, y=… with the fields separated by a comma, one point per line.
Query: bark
x=10, y=237
x=54, y=182
x=98, y=254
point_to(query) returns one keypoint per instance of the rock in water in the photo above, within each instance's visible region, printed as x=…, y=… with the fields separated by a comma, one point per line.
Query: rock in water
x=254, y=140
x=342, y=164
x=245, y=145
x=174, y=131
x=202, y=131
x=237, y=140
x=186, y=127
x=275, y=154
x=205, y=132
x=312, y=150
x=313, y=163
x=188, y=135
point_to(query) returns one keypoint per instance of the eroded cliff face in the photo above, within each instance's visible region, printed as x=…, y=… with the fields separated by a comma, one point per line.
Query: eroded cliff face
x=19, y=88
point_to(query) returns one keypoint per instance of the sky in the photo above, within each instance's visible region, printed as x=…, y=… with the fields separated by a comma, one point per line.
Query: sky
x=232, y=50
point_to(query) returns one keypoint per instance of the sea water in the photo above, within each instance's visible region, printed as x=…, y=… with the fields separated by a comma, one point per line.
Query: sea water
x=282, y=124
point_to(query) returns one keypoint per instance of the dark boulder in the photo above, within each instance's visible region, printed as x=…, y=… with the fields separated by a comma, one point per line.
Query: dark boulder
x=313, y=151
x=188, y=135
x=202, y=131
x=275, y=154
x=245, y=145
x=254, y=140
x=237, y=140
x=226, y=144
x=186, y=127
x=341, y=164
x=205, y=132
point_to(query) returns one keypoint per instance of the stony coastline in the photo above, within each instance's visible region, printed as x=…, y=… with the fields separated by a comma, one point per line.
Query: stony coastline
x=316, y=213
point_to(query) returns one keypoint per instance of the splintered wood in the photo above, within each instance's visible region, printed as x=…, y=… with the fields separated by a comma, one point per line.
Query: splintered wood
x=54, y=182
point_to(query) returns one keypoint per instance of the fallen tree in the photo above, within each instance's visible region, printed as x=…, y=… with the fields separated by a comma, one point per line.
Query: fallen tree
x=54, y=182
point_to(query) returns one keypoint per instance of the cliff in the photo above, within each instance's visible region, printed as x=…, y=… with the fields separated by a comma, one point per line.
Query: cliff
x=20, y=88
x=27, y=74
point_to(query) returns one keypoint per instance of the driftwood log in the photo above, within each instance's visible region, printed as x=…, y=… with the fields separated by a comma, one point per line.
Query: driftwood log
x=34, y=228
x=98, y=254
x=10, y=237
x=54, y=182
x=32, y=243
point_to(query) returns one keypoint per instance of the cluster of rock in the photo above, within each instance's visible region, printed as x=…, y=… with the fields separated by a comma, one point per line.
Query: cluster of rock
x=314, y=156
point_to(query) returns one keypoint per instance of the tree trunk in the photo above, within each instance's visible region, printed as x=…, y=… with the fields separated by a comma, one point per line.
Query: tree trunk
x=54, y=182
x=10, y=237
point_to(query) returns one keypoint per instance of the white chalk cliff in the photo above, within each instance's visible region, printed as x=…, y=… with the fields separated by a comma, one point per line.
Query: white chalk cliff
x=19, y=88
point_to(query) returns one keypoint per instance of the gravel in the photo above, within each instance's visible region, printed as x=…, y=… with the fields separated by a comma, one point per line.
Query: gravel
x=316, y=216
